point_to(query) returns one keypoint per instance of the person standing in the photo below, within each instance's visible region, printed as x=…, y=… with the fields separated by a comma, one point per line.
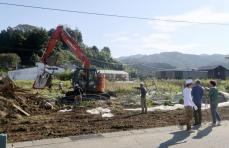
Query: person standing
x=50, y=82
x=197, y=94
x=78, y=92
x=213, y=95
x=188, y=103
x=143, y=98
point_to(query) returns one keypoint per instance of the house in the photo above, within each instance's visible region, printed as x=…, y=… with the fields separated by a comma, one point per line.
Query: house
x=216, y=72
x=115, y=75
x=31, y=73
x=181, y=74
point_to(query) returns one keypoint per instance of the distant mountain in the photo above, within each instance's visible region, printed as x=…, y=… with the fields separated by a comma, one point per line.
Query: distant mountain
x=170, y=60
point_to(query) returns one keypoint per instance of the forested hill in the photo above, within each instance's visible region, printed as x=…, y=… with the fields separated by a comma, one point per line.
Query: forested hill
x=28, y=43
x=171, y=60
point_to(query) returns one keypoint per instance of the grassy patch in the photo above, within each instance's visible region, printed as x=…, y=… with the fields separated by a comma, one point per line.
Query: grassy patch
x=49, y=94
x=164, y=89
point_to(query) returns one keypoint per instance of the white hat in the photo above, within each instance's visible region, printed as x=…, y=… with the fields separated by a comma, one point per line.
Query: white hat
x=189, y=81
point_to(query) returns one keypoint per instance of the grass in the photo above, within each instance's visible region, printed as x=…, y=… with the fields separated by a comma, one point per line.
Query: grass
x=121, y=87
x=164, y=88
x=53, y=94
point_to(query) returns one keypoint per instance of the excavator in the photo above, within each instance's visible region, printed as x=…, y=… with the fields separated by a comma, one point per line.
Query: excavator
x=91, y=81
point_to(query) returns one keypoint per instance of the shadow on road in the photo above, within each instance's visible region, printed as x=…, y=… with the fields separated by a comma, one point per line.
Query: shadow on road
x=178, y=138
x=203, y=133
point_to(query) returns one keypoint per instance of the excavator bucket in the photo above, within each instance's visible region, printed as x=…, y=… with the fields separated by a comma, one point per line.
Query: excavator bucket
x=41, y=80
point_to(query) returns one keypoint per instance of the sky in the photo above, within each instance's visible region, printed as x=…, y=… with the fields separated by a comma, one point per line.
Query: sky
x=129, y=36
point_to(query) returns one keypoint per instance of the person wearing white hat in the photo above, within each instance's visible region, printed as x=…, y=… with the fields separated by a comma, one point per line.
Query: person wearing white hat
x=188, y=103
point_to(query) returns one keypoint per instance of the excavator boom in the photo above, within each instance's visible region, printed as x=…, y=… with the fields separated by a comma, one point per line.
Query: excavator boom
x=87, y=78
x=61, y=34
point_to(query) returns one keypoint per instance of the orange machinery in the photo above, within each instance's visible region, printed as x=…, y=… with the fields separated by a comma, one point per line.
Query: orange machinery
x=87, y=78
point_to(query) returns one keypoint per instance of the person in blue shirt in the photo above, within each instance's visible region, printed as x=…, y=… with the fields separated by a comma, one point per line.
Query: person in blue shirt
x=197, y=94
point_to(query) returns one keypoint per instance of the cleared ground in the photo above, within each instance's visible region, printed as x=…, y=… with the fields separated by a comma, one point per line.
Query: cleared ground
x=42, y=124
x=79, y=122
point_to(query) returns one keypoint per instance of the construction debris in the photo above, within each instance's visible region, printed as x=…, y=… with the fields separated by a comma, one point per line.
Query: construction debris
x=6, y=83
x=7, y=86
x=21, y=110
x=16, y=101
x=180, y=106
x=104, y=112
x=65, y=110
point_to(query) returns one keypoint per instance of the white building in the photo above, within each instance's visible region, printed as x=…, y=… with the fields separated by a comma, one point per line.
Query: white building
x=31, y=73
x=115, y=75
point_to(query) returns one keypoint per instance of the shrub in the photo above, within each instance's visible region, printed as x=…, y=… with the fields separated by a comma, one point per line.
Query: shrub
x=168, y=103
x=181, y=101
x=149, y=103
x=227, y=88
x=65, y=76
x=9, y=60
x=167, y=97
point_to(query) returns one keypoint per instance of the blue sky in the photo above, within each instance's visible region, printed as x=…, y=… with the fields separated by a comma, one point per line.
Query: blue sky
x=128, y=37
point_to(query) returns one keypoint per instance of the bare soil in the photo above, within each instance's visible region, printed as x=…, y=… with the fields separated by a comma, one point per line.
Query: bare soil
x=77, y=122
x=43, y=123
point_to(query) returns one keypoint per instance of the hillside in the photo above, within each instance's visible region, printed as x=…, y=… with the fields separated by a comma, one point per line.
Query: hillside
x=169, y=60
x=28, y=43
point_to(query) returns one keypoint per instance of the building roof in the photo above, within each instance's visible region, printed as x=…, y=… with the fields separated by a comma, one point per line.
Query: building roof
x=183, y=70
x=113, y=72
x=212, y=67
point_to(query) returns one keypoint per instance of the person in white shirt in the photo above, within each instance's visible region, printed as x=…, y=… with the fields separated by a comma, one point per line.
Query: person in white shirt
x=188, y=103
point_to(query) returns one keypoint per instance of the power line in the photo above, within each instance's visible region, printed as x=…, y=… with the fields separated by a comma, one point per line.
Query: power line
x=113, y=15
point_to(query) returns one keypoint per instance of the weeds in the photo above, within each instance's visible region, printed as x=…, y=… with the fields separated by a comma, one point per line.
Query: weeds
x=127, y=91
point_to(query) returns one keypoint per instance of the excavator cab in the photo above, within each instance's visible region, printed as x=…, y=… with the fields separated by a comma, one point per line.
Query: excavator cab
x=85, y=78
x=89, y=80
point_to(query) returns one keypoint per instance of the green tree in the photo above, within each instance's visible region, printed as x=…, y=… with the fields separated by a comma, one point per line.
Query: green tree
x=29, y=43
x=24, y=40
x=105, y=54
x=35, y=58
x=35, y=39
x=9, y=61
x=76, y=34
x=95, y=52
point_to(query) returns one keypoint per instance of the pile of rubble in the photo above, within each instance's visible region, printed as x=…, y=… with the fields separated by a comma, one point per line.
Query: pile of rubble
x=15, y=101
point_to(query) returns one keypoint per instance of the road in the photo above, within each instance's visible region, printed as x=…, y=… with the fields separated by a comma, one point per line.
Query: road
x=205, y=136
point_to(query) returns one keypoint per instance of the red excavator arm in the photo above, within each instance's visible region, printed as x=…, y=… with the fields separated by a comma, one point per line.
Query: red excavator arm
x=97, y=81
x=61, y=35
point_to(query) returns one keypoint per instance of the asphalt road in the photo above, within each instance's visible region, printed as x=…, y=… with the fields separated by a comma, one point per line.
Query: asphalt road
x=204, y=137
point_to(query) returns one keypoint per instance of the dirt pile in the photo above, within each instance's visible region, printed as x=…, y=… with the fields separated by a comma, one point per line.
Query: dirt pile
x=16, y=102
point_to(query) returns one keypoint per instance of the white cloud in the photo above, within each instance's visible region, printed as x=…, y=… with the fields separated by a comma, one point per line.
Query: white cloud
x=163, y=39
x=163, y=42
x=204, y=15
x=162, y=36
